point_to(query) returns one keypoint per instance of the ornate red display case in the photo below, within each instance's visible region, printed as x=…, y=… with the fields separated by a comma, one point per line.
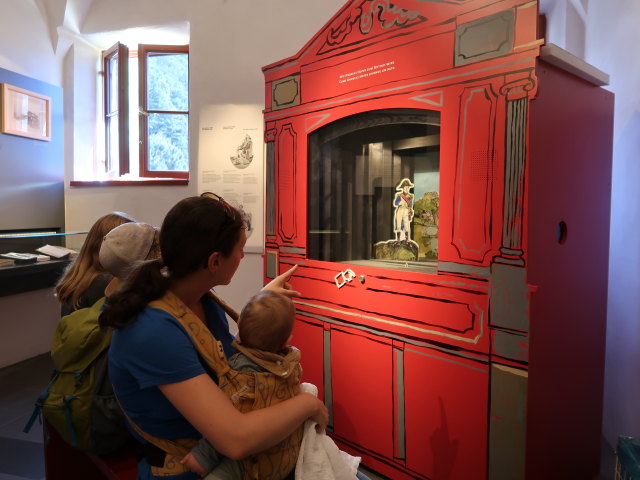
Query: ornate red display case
x=445, y=194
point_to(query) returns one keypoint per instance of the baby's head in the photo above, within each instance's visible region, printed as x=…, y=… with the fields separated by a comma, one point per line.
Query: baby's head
x=266, y=321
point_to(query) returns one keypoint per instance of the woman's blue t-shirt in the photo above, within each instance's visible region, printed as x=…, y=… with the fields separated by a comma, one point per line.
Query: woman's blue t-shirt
x=156, y=350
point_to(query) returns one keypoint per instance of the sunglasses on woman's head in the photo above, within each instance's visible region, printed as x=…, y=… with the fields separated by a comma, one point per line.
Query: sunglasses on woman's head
x=229, y=212
x=218, y=198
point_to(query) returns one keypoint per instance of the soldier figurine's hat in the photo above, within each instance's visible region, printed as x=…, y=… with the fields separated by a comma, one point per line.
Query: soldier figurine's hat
x=405, y=183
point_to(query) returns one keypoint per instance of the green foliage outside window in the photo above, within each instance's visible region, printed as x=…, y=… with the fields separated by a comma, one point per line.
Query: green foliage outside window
x=168, y=91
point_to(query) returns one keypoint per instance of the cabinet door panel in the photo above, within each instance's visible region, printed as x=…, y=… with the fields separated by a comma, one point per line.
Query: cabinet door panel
x=362, y=385
x=286, y=171
x=474, y=174
x=446, y=414
x=308, y=337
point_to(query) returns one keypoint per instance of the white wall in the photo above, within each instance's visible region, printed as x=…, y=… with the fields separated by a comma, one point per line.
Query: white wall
x=612, y=42
x=25, y=44
x=25, y=48
x=609, y=39
x=27, y=323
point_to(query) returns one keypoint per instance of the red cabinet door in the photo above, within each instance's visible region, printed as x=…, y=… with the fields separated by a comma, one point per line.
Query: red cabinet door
x=446, y=408
x=362, y=387
x=308, y=337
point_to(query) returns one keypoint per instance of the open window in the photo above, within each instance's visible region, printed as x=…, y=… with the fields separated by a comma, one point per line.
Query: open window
x=151, y=83
x=115, y=63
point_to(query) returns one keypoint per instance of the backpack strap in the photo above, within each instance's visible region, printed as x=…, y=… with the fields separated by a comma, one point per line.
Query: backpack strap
x=210, y=350
x=37, y=411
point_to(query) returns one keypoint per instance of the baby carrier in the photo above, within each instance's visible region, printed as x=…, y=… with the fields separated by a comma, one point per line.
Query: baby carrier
x=248, y=391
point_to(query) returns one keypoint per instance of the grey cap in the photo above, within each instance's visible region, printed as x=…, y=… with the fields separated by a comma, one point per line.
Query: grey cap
x=125, y=245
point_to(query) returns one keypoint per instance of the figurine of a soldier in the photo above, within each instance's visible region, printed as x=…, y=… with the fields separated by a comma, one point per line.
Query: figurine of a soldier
x=403, y=202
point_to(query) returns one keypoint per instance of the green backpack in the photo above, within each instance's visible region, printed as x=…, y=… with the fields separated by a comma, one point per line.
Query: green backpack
x=79, y=402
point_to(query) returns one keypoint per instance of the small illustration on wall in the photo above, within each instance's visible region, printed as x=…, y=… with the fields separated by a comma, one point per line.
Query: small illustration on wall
x=402, y=247
x=247, y=215
x=25, y=113
x=244, y=153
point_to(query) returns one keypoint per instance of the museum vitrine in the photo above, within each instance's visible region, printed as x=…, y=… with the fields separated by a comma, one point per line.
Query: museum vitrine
x=427, y=170
x=363, y=205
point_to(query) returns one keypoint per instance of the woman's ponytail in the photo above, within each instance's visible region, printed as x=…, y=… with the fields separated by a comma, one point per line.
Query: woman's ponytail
x=144, y=284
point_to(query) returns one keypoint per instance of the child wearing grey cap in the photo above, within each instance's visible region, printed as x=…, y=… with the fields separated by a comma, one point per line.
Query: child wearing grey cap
x=125, y=246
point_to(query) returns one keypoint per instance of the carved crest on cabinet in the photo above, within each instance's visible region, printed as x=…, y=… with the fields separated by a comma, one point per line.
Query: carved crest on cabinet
x=371, y=16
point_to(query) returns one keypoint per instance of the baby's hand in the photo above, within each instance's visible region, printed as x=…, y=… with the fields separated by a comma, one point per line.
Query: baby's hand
x=192, y=464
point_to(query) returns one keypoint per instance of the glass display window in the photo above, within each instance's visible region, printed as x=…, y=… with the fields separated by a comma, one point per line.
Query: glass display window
x=374, y=190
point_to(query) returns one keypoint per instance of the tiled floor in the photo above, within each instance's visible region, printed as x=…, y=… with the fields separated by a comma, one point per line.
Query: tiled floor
x=21, y=454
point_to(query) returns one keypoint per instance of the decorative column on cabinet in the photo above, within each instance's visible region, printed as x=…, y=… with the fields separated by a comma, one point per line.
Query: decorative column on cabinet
x=518, y=93
x=509, y=297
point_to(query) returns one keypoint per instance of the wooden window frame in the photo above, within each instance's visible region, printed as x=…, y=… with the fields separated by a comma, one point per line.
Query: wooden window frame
x=122, y=166
x=122, y=53
x=143, y=53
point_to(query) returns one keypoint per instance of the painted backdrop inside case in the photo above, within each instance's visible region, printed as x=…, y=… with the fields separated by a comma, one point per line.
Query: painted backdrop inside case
x=409, y=149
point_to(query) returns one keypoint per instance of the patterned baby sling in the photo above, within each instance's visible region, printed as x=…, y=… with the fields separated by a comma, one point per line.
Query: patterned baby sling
x=248, y=391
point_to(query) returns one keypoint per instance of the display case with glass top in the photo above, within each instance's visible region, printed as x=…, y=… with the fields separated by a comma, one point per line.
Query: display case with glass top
x=34, y=259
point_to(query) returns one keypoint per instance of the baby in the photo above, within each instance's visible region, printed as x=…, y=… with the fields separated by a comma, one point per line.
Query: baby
x=264, y=330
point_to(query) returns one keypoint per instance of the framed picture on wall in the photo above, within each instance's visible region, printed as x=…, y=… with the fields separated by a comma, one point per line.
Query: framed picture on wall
x=25, y=113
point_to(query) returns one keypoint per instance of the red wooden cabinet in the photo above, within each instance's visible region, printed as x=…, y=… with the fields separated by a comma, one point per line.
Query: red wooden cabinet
x=432, y=178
